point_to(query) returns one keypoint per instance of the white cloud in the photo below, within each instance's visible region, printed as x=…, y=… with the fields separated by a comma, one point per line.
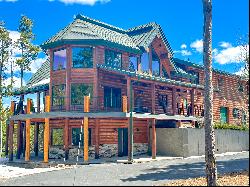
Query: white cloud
x=230, y=55
x=17, y=82
x=14, y=35
x=225, y=45
x=197, y=45
x=82, y=2
x=9, y=0
x=183, y=46
x=184, y=52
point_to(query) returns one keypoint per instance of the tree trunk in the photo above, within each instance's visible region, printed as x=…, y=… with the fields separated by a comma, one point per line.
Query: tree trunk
x=211, y=170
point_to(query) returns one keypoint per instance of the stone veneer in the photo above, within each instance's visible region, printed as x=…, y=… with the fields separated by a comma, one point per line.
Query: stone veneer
x=140, y=148
x=105, y=151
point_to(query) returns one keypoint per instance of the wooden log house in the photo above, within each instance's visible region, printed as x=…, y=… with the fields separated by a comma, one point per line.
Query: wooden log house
x=126, y=74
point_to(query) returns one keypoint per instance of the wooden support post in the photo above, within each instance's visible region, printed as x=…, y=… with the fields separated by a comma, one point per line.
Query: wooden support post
x=38, y=106
x=124, y=104
x=68, y=76
x=174, y=100
x=148, y=134
x=150, y=60
x=128, y=92
x=153, y=139
x=36, y=135
x=139, y=64
x=24, y=138
x=7, y=140
x=86, y=129
x=153, y=98
x=11, y=131
x=192, y=102
x=27, y=150
x=66, y=138
x=19, y=131
x=97, y=138
x=46, y=131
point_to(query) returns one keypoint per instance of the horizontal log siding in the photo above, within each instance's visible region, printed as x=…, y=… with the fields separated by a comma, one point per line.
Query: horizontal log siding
x=158, y=108
x=58, y=77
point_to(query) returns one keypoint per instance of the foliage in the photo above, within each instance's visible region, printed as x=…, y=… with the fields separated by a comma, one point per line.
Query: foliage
x=78, y=91
x=28, y=51
x=230, y=126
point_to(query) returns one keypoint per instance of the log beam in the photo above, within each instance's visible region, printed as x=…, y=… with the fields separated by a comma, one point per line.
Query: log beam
x=153, y=139
x=46, y=131
x=97, y=138
x=11, y=131
x=86, y=129
x=28, y=122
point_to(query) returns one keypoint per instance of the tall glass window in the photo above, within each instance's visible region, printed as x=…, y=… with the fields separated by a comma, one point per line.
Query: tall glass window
x=82, y=57
x=76, y=132
x=113, y=58
x=58, y=95
x=59, y=60
x=78, y=91
x=155, y=64
x=133, y=63
x=145, y=63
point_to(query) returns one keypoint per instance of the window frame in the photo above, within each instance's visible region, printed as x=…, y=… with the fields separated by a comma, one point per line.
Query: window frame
x=63, y=97
x=51, y=137
x=53, y=61
x=82, y=101
x=82, y=137
x=82, y=47
x=108, y=51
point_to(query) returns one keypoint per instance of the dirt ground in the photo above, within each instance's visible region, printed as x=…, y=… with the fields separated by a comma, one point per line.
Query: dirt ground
x=232, y=179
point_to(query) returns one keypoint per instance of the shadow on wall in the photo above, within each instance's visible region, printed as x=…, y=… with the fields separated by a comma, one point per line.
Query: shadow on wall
x=185, y=171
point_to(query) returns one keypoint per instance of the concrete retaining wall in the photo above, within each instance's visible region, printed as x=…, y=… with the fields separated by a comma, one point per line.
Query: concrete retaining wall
x=187, y=142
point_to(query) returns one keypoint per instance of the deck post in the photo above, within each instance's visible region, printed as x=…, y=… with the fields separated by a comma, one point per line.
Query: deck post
x=97, y=139
x=28, y=121
x=153, y=139
x=86, y=129
x=130, y=120
x=46, y=131
x=66, y=138
x=124, y=104
x=11, y=131
x=174, y=100
x=19, y=148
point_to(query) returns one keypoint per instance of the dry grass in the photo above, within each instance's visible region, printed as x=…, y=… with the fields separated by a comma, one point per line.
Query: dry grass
x=232, y=179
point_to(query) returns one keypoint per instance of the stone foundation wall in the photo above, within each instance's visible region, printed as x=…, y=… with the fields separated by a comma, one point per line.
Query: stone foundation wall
x=140, y=148
x=105, y=151
x=108, y=150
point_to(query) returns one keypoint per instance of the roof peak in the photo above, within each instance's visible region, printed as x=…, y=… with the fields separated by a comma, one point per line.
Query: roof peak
x=97, y=22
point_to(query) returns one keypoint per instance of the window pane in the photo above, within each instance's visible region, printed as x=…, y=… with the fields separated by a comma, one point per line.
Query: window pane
x=82, y=57
x=133, y=63
x=78, y=91
x=112, y=97
x=145, y=63
x=57, y=136
x=113, y=59
x=60, y=60
x=76, y=133
x=58, y=95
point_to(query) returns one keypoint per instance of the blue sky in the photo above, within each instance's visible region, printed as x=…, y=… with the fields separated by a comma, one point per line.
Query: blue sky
x=182, y=22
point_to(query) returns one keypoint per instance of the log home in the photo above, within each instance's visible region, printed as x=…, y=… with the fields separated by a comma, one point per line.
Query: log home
x=111, y=86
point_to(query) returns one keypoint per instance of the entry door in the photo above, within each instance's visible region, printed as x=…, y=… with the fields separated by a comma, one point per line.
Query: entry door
x=122, y=142
x=223, y=115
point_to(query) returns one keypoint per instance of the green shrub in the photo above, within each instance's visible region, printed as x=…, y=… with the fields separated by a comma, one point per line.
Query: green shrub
x=230, y=126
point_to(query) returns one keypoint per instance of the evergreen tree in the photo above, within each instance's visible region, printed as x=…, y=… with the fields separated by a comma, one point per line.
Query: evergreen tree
x=29, y=51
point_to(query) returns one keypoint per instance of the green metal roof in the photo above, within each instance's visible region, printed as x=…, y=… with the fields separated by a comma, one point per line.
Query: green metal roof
x=87, y=29
x=199, y=66
x=149, y=77
x=38, y=82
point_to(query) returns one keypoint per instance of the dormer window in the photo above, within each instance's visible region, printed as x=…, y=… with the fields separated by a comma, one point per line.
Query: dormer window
x=240, y=87
x=59, y=60
x=155, y=64
x=220, y=83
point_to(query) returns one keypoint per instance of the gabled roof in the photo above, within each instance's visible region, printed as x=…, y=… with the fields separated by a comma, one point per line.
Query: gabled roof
x=90, y=31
